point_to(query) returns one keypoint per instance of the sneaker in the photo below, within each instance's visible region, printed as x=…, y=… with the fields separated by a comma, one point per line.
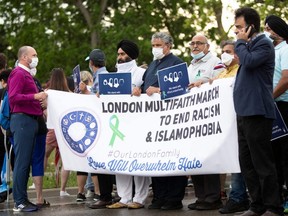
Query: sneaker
x=96, y=197
x=80, y=197
x=64, y=193
x=32, y=186
x=90, y=194
x=232, y=206
x=25, y=207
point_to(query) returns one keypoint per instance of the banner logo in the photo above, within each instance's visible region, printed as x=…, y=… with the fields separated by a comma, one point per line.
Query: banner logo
x=80, y=131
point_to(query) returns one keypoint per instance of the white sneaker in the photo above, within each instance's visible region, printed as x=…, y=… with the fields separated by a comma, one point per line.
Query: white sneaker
x=64, y=193
x=32, y=186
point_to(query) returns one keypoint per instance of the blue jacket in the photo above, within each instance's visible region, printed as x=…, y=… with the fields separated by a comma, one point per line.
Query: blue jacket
x=150, y=77
x=254, y=80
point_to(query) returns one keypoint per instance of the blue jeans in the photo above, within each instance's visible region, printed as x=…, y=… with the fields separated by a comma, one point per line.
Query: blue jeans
x=238, y=191
x=89, y=183
x=24, y=130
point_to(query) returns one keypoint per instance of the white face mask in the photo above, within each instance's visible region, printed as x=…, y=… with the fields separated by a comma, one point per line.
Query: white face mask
x=33, y=71
x=89, y=88
x=268, y=34
x=227, y=58
x=125, y=67
x=91, y=69
x=198, y=55
x=157, y=53
x=33, y=63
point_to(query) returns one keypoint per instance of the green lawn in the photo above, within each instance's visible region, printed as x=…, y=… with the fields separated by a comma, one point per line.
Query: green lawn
x=49, y=179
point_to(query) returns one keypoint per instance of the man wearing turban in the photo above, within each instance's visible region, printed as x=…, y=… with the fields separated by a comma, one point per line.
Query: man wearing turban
x=277, y=31
x=127, y=52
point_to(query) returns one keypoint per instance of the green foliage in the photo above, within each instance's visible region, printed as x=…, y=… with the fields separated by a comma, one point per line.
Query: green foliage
x=268, y=7
x=65, y=31
x=49, y=178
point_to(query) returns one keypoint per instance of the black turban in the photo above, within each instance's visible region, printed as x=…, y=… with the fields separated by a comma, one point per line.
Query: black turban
x=130, y=48
x=277, y=25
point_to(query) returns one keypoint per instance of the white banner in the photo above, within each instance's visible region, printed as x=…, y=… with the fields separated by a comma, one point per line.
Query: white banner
x=191, y=134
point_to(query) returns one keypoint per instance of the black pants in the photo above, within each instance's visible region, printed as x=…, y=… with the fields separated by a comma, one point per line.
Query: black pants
x=105, y=186
x=170, y=189
x=207, y=187
x=85, y=173
x=280, y=149
x=257, y=163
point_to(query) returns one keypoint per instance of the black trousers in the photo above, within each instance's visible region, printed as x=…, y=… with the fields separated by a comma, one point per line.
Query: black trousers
x=207, y=187
x=257, y=163
x=280, y=149
x=170, y=188
x=105, y=186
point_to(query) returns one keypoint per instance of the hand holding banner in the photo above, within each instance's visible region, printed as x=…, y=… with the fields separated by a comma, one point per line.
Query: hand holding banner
x=173, y=81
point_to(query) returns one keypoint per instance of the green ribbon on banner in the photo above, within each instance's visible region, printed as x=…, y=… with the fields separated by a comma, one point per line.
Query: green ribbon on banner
x=114, y=128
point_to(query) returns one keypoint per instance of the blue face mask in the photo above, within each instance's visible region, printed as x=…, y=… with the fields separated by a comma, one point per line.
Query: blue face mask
x=267, y=34
x=198, y=55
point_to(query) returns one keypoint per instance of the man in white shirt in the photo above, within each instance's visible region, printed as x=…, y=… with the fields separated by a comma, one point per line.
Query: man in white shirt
x=203, y=67
x=127, y=52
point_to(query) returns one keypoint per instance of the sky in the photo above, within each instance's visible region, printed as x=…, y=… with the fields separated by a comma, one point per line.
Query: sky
x=229, y=6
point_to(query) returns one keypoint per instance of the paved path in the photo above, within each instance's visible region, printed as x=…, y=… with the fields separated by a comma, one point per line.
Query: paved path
x=68, y=206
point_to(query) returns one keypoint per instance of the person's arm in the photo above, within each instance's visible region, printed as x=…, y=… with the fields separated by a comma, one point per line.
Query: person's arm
x=282, y=85
x=15, y=89
x=255, y=57
x=151, y=90
x=136, y=91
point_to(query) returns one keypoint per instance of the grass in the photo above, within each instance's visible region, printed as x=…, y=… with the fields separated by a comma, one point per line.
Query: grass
x=49, y=179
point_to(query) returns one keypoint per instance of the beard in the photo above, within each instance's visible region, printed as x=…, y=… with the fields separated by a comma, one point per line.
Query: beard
x=127, y=59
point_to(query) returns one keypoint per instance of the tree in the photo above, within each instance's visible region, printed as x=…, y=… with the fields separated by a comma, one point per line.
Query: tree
x=268, y=7
x=55, y=36
x=65, y=31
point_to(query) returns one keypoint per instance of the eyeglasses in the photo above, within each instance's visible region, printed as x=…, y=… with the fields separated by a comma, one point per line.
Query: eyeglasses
x=198, y=43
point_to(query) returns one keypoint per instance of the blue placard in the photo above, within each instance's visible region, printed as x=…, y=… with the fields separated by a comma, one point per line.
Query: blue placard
x=173, y=81
x=76, y=78
x=279, y=127
x=115, y=83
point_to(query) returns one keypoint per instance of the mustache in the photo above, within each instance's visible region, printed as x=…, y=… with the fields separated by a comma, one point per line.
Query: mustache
x=121, y=61
x=195, y=49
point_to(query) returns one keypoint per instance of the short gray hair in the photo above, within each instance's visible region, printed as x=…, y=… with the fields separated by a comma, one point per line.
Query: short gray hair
x=227, y=42
x=165, y=37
